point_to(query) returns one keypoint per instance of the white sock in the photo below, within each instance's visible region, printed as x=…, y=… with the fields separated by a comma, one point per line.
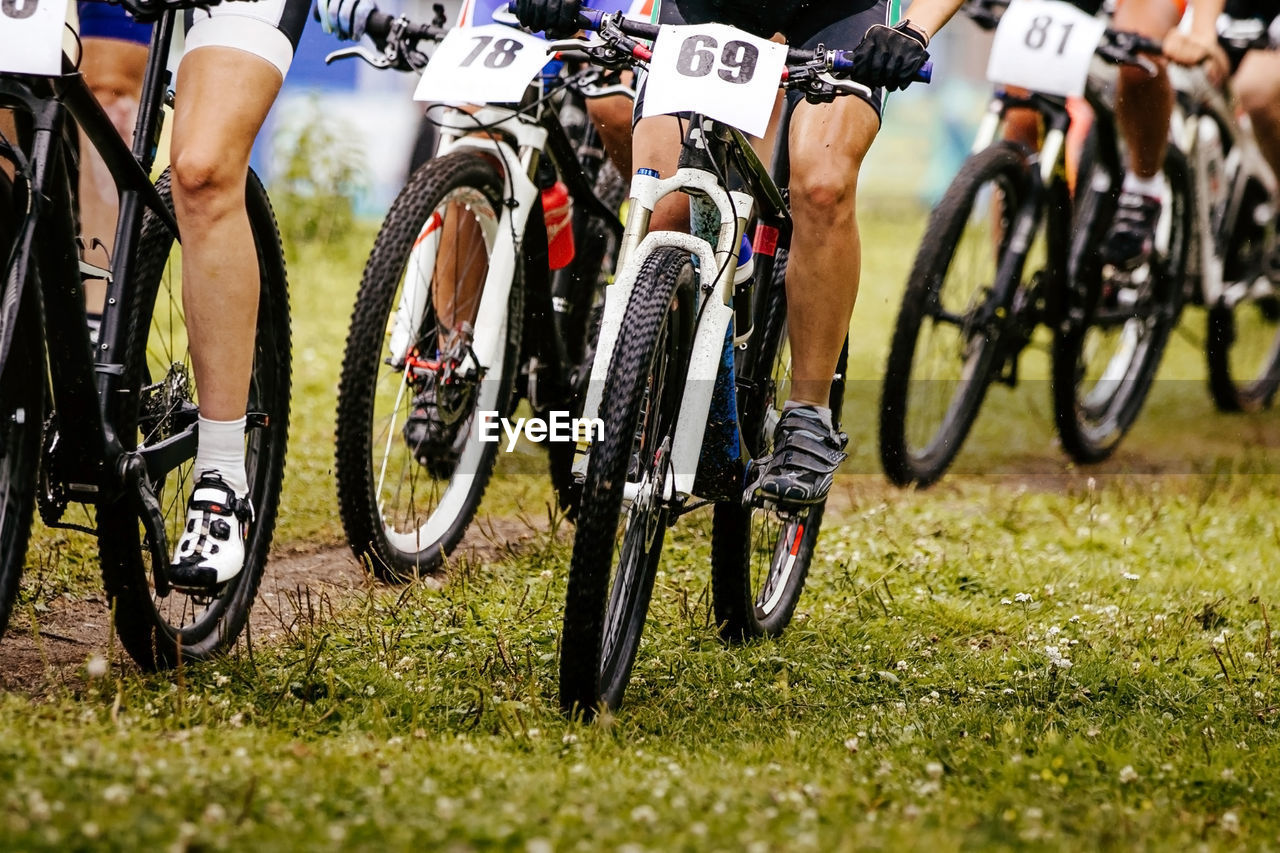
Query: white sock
x=220, y=448
x=1152, y=187
x=823, y=411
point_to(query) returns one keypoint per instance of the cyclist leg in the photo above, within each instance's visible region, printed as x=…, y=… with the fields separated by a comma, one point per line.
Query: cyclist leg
x=227, y=82
x=1144, y=104
x=612, y=117
x=826, y=145
x=113, y=62
x=1257, y=90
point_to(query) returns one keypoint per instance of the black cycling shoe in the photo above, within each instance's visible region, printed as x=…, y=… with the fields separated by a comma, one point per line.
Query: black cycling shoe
x=802, y=467
x=1132, y=236
x=433, y=427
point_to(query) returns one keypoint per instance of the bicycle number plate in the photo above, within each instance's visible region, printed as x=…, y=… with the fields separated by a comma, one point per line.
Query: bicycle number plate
x=481, y=65
x=1045, y=46
x=31, y=32
x=716, y=70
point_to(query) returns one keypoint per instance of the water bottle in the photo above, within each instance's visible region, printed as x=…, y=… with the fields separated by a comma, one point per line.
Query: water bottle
x=557, y=209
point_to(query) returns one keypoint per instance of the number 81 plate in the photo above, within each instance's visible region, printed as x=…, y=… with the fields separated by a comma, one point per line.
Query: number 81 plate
x=1045, y=46
x=716, y=70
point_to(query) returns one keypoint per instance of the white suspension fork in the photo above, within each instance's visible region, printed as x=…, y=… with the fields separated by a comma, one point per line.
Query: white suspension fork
x=716, y=268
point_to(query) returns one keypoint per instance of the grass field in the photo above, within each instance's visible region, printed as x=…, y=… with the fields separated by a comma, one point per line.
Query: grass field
x=1027, y=656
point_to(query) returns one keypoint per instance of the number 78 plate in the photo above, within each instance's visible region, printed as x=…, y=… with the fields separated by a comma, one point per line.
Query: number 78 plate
x=482, y=65
x=1045, y=46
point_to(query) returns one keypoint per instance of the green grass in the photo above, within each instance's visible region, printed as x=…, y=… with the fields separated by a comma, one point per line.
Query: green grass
x=913, y=704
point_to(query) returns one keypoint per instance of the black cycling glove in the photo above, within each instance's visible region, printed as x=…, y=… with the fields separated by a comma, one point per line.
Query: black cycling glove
x=557, y=18
x=890, y=57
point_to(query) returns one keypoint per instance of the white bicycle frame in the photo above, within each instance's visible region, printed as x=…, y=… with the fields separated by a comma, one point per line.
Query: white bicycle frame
x=716, y=268
x=519, y=192
x=519, y=195
x=1242, y=162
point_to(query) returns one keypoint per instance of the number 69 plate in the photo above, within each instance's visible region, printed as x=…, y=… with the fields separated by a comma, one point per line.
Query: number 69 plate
x=482, y=65
x=31, y=36
x=1045, y=46
x=716, y=70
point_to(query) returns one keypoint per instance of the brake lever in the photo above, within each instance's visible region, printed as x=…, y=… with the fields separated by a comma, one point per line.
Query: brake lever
x=592, y=91
x=377, y=60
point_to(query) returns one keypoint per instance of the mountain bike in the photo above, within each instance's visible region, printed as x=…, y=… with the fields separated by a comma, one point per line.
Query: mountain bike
x=111, y=422
x=686, y=378
x=1234, y=264
x=457, y=297
x=1008, y=249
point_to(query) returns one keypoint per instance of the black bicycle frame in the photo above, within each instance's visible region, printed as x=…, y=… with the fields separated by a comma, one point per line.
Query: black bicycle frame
x=86, y=457
x=1070, y=265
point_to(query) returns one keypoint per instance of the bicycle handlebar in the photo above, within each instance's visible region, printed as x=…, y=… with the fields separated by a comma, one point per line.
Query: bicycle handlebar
x=838, y=62
x=379, y=27
x=1117, y=46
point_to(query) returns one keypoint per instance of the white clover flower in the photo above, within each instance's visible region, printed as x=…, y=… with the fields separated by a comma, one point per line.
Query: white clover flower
x=1023, y=597
x=1128, y=774
x=96, y=666
x=116, y=794
x=1005, y=601
x=1130, y=576
x=644, y=814
x=901, y=666
x=933, y=769
x=1230, y=822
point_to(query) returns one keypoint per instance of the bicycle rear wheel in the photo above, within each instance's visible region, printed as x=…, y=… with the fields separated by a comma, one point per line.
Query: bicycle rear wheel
x=1105, y=363
x=22, y=388
x=943, y=355
x=618, y=544
x=160, y=630
x=404, y=511
x=760, y=557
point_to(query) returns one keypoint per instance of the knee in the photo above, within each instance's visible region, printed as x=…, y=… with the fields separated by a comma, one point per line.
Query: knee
x=206, y=183
x=1257, y=93
x=824, y=194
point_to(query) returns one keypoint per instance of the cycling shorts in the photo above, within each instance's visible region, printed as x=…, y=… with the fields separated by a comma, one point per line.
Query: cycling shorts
x=840, y=25
x=269, y=29
x=1265, y=10
x=108, y=21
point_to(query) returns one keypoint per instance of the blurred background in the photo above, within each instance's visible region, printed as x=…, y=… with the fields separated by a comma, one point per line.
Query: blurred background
x=368, y=121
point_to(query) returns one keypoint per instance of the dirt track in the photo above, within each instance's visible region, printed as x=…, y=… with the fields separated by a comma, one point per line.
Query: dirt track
x=52, y=651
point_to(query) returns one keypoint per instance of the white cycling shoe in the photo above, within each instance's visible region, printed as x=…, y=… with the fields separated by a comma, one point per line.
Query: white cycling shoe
x=212, y=548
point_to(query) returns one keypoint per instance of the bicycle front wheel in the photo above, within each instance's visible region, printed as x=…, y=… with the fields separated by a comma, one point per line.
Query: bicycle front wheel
x=760, y=557
x=22, y=386
x=945, y=349
x=422, y=362
x=161, y=628
x=623, y=516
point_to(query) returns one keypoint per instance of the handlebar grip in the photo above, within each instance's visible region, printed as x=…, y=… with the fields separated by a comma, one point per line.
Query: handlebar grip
x=378, y=25
x=843, y=61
